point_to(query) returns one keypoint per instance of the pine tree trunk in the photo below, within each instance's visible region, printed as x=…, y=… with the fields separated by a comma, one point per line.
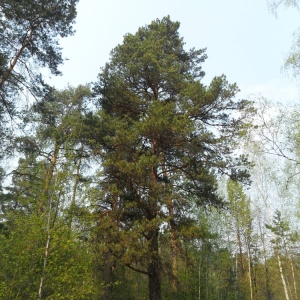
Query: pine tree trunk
x=49, y=177
x=107, y=276
x=154, y=266
x=174, y=247
x=14, y=61
x=175, y=282
x=154, y=270
x=77, y=176
x=154, y=282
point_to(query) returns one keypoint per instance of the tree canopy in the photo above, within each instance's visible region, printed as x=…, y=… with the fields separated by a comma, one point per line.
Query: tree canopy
x=138, y=185
x=163, y=137
x=29, y=39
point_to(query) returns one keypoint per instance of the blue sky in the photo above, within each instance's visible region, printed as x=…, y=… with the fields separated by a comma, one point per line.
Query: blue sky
x=244, y=40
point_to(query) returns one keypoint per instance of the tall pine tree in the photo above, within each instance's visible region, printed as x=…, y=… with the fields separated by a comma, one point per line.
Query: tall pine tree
x=163, y=137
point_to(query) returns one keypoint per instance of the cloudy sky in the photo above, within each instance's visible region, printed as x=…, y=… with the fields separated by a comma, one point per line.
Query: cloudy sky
x=244, y=40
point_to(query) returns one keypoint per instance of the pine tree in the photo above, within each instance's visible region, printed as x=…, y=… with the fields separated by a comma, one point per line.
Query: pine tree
x=29, y=40
x=162, y=136
x=56, y=260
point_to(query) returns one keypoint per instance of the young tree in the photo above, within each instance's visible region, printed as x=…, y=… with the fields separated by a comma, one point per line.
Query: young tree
x=242, y=223
x=38, y=217
x=162, y=136
x=283, y=240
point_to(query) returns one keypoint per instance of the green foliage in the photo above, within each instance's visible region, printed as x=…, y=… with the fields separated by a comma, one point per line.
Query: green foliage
x=42, y=215
x=161, y=140
x=69, y=272
x=29, y=36
x=239, y=206
x=164, y=137
x=284, y=237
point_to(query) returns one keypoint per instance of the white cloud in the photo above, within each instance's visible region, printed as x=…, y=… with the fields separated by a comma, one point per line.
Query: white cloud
x=276, y=90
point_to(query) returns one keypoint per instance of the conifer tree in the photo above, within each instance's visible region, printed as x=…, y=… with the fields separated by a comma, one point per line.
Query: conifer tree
x=55, y=260
x=163, y=137
x=29, y=41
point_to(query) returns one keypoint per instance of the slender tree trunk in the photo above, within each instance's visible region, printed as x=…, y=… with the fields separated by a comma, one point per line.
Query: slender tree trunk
x=46, y=253
x=45, y=196
x=49, y=177
x=254, y=275
x=267, y=273
x=294, y=279
x=236, y=278
x=50, y=223
x=240, y=247
x=268, y=290
x=199, y=279
x=76, y=181
x=282, y=276
x=250, y=270
x=207, y=276
x=290, y=261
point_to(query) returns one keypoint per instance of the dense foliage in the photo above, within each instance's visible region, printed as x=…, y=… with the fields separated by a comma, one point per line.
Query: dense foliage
x=139, y=187
x=164, y=137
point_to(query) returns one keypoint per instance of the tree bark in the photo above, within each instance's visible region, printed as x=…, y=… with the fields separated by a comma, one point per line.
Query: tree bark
x=268, y=291
x=46, y=253
x=107, y=275
x=174, y=247
x=47, y=246
x=76, y=181
x=250, y=269
x=45, y=197
x=49, y=177
x=15, y=59
x=154, y=265
x=294, y=279
x=154, y=281
x=154, y=269
x=282, y=276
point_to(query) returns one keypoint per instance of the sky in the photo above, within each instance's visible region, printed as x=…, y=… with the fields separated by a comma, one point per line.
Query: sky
x=244, y=40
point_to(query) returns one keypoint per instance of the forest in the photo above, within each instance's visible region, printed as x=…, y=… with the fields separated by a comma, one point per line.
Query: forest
x=146, y=183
